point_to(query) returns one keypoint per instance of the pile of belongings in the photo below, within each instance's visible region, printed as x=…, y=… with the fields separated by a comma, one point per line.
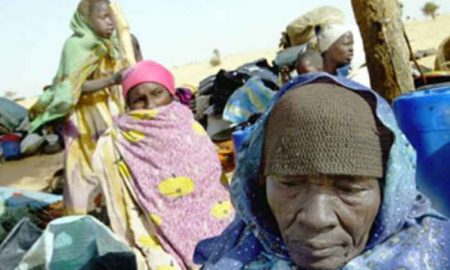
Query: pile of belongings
x=13, y=122
x=222, y=85
x=14, y=139
x=15, y=204
x=34, y=235
x=229, y=98
x=13, y=117
x=301, y=33
x=23, y=216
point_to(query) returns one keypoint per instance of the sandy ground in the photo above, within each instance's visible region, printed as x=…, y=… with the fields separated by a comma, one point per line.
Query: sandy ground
x=36, y=173
x=428, y=34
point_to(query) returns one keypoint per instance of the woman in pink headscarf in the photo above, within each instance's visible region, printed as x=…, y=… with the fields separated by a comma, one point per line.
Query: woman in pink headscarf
x=160, y=174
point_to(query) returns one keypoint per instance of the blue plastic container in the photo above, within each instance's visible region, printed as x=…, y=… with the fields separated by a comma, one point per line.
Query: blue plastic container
x=424, y=117
x=11, y=146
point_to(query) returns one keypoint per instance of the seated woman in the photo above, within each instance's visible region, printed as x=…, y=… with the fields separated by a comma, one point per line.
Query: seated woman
x=160, y=174
x=326, y=180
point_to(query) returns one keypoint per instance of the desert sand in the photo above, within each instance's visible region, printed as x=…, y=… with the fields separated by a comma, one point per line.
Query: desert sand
x=36, y=173
x=427, y=34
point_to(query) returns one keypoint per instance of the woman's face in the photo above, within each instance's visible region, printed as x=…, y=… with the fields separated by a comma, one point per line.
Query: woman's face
x=341, y=52
x=147, y=96
x=102, y=20
x=326, y=220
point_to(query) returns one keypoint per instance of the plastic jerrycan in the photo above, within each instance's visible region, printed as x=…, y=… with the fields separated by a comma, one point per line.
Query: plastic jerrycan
x=424, y=117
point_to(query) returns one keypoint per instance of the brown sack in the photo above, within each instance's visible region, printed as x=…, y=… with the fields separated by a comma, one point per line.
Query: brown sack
x=301, y=30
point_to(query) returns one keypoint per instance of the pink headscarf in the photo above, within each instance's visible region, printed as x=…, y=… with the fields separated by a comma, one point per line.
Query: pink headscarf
x=148, y=71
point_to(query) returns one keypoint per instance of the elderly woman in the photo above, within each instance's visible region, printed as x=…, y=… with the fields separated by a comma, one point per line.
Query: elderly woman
x=160, y=174
x=326, y=181
x=336, y=45
x=86, y=94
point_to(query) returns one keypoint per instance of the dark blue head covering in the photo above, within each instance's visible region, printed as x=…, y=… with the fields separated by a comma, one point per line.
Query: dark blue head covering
x=407, y=231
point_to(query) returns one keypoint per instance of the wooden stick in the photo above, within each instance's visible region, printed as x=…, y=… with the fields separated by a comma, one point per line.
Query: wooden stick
x=124, y=34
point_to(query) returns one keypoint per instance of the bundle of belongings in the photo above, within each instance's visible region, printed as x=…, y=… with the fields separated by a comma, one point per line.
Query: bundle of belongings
x=302, y=29
x=15, y=141
x=13, y=117
x=78, y=242
x=221, y=86
x=224, y=83
x=230, y=98
x=23, y=216
x=301, y=34
x=33, y=235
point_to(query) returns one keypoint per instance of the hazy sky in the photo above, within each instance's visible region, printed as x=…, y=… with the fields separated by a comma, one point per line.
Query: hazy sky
x=173, y=32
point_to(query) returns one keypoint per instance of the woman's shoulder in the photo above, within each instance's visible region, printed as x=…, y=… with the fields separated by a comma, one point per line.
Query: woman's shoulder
x=234, y=249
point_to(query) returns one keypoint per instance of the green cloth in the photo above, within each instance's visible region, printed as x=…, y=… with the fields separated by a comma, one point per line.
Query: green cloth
x=81, y=56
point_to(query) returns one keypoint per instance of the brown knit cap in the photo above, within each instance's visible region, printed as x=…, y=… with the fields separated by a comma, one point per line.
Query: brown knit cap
x=322, y=128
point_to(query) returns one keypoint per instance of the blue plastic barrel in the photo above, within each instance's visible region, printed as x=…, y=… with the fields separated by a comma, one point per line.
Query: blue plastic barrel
x=424, y=117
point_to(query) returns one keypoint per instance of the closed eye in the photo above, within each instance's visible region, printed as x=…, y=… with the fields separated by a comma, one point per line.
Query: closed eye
x=158, y=92
x=351, y=188
x=288, y=184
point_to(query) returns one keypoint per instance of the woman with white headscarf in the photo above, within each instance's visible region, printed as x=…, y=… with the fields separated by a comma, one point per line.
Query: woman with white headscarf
x=335, y=42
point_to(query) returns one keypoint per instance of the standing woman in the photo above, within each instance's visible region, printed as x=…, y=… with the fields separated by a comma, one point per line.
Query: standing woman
x=86, y=94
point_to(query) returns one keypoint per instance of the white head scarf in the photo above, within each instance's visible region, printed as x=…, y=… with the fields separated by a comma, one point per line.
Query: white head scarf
x=329, y=34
